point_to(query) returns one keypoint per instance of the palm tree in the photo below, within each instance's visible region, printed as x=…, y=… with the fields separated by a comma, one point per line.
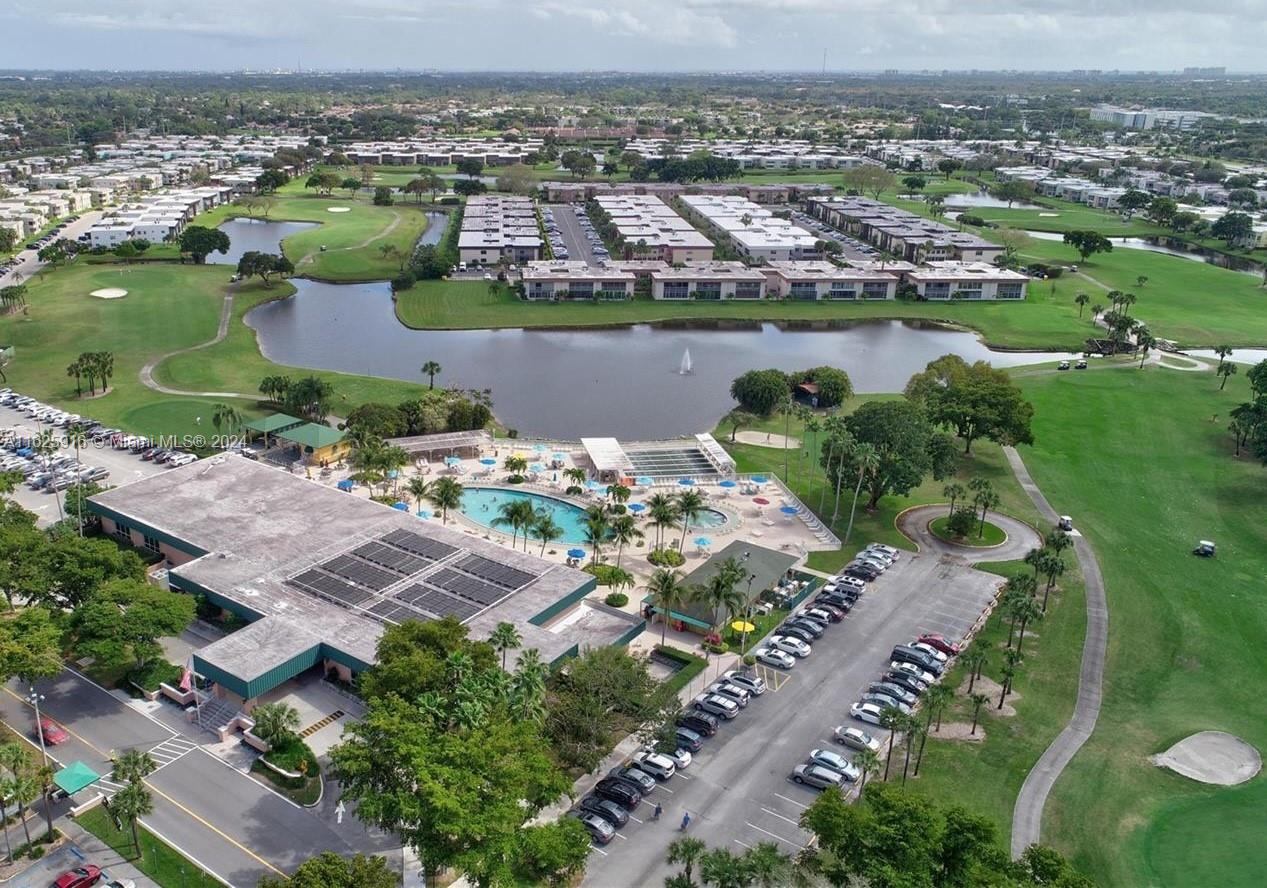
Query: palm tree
x=953, y=491
x=275, y=723
x=667, y=593
x=575, y=475
x=787, y=407
x=868, y=762
x=914, y=730
x=975, y=659
x=1034, y=558
x=511, y=514
x=131, y=804
x=624, y=530
x=431, y=370
x=516, y=465
x=133, y=766
x=690, y=503
x=418, y=488
x=1225, y=370
x=767, y=866
x=663, y=514
x=987, y=500
x=24, y=789
x=867, y=459
x=890, y=720
x=6, y=796
x=1096, y=311
x=503, y=638
x=226, y=415
x=1007, y=672
x=545, y=528
x=978, y=700
x=596, y=528
x=445, y=494
x=1081, y=301
x=618, y=493
x=812, y=428
x=936, y=700
x=721, y=598
x=686, y=852
x=1224, y=352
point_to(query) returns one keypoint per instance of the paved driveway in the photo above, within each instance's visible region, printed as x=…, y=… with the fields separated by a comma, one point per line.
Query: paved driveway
x=30, y=262
x=737, y=790
x=578, y=245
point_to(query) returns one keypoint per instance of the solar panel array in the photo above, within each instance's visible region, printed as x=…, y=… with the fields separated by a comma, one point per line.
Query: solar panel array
x=667, y=462
x=461, y=588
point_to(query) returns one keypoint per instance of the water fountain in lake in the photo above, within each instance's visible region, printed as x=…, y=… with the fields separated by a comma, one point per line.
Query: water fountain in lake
x=684, y=369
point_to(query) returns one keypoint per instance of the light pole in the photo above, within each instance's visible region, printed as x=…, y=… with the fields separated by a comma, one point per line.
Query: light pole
x=35, y=699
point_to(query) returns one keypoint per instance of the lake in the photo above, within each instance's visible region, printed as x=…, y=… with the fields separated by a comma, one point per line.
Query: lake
x=266, y=237
x=982, y=199
x=1170, y=247
x=621, y=382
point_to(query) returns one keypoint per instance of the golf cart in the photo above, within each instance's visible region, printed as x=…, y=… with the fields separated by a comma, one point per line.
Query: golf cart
x=1065, y=522
x=1205, y=549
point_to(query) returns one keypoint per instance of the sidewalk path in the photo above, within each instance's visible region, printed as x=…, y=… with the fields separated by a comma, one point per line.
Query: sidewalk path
x=147, y=372
x=1027, y=816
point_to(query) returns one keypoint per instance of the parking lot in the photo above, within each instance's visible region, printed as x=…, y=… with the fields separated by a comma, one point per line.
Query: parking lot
x=737, y=790
x=123, y=466
x=852, y=247
x=578, y=246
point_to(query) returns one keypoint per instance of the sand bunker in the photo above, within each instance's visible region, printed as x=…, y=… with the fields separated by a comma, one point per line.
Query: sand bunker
x=1212, y=757
x=761, y=439
x=109, y=293
x=1049, y=215
x=338, y=209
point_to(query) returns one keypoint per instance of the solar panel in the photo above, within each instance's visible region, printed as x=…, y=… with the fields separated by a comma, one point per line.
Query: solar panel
x=360, y=572
x=433, y=550
x=477, y=590
x=398, y=613
x=314, y=582
x=495, y=572
x=443, y=605
x=393, y=559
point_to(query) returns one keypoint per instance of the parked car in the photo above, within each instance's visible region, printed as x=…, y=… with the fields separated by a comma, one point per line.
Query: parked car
x=866, y=712
x=815, y=776
x=788, y=645
x=897, y=692
x=834, y=614
x=638, y=777
x=701, y=723
x=689, y=739
x=862, y=571
x=715, y=704
x=79, y=877
x=725, y=689
x=834, y=761
x=837, y=599
x=800, y=633
x=606, y=809
x=883, y=700
x=753, y=684
x=599, y=829
x=658, y=765
x=939, y=656
x=681, y=756
x=53, y=733
x=619, y=791
x=940, y=642
x=805, y=624
x=911, y=669
x=905, y=680
x=819, y=615
x=774, y=657
x=890, y=551
x=904, y=653
x=855, y=738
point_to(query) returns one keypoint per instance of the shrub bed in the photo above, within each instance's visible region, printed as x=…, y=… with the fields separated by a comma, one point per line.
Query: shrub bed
x=666, y=557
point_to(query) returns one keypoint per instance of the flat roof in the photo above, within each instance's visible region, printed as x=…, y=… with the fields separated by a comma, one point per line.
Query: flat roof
x=315, y=565
x=765, y=566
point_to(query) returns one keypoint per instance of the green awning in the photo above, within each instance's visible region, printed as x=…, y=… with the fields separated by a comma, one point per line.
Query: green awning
x=274, y=422
x=74, y=777
x=312, y=436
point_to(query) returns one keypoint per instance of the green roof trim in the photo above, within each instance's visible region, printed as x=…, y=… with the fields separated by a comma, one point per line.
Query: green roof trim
x=274, y=422
x=74, y=777
x=312, y=435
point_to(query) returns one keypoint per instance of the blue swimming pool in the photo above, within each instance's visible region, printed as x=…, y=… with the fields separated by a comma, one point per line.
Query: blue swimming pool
x=482, y=505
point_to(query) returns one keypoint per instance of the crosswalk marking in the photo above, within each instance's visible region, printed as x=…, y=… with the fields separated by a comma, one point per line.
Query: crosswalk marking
x=317, y=726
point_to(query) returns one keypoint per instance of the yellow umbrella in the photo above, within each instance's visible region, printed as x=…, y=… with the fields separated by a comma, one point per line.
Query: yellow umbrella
x=742, y=626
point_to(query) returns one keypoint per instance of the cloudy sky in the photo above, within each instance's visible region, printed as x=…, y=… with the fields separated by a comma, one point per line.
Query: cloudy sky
x=634, y=35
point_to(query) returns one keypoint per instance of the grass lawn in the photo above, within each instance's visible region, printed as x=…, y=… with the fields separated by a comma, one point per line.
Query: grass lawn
x=168, y=307
x=158, y=860
x=1062, y=215
x=352, y=239
x=987, y=535
x=1138, y=458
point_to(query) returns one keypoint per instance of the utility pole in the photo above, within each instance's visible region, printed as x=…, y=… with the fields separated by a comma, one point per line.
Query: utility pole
x=35, y=699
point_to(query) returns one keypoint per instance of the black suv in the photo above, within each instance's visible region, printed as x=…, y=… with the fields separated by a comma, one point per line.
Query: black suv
x=620, y=792
x=700, y=722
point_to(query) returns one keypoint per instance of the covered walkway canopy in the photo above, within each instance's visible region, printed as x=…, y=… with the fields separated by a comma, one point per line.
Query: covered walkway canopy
x=609, y=458
x=273, y=423
x=446, y=443
x=74, y=777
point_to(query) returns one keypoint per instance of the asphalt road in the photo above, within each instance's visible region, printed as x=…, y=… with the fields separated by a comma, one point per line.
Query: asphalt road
x=578, y=245
x=30, y=264
x=737, y=790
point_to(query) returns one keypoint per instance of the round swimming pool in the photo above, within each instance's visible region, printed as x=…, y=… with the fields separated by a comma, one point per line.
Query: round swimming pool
x=483, y=504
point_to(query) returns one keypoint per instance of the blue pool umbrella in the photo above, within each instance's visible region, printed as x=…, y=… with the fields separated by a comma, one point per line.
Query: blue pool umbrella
x=393, y=473
x=404, y=507
x=346, y=484
x=703, y=541
x=488, y=461
x=452, y=460
x=423, y=513
x=726, y=483
x=576, y=553
x=540, y=448
x=788, y=510
x=559, y=456
x=644, y=480
x=759, y=479
x=536, y=467
x=686, y=482
x=636, y=507
x=595, y=485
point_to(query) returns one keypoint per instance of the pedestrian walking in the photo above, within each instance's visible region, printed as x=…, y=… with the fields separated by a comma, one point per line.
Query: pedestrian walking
x=686, y=821
x=659, y=809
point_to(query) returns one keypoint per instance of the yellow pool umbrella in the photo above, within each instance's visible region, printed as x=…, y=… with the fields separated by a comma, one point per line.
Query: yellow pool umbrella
x=742, y=626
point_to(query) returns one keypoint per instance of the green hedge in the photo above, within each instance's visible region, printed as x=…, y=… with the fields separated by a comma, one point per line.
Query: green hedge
x=691, y=667
x=154, y=673
x=666, y=558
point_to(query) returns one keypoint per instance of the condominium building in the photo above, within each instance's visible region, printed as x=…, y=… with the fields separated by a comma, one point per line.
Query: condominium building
x=616, y=279
x=651, y=229
x=576, y=279
x=714, y=280
x=816, y=281
x=499, y=227
x=753, y=231
x=906, y=235
x=973, y=281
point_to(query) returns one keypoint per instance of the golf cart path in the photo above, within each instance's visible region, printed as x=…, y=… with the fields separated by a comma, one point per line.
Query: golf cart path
x=147, y=372
x=1027, y=816
x=391, y=226
x=1020, y=536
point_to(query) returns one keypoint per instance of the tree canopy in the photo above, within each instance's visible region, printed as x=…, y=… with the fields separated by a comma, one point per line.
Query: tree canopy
x=200, y=242
x=1088, y=243
x=329, y=870
x=760, y=391
x=906, y=449
x=125, y=618
x=834, y=385
x=975, y=400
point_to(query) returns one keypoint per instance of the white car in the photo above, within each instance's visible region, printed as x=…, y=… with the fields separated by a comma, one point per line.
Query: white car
x=866, y=712
x=893, y=553
x=790, y=645
x=843, y=580
x=682, y=758
x=658, y=765
x=940, y=656
x=774, y=657
x=911, y=669
x=873, y=560
x=750, y=683
x=834, y=761
x=855, y=738
x=730, y=691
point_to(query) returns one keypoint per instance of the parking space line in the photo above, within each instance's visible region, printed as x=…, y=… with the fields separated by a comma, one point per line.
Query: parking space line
x=600, y=850
x=742, y=844
x=683, y=776
x=781, y=817
x=773, y=835
x=619, y=836
x=635, y=819
x=793, y=801
x=666, y=789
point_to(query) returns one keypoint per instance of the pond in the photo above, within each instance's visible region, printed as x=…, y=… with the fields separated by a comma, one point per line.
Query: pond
x=623, y=382
x=1170, y=247
x=982, y=199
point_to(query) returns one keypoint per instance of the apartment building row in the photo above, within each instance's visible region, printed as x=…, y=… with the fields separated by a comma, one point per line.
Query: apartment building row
x=775, y=154
x=440, y=152
x=157, y=218
x=904, y=234
x=26, y=212
x=651, y=229
x=499, y=227
x=813, y=281
x=754, y=232
x=780, y=193
x=1149, y=118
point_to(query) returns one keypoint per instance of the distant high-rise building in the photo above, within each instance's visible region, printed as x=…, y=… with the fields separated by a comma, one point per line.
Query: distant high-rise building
x=1218, y=71
x=1147, y=118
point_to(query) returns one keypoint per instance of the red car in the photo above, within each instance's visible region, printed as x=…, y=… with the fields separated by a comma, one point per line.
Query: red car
x=79, y=877
x=54, y=734
x=949, y=648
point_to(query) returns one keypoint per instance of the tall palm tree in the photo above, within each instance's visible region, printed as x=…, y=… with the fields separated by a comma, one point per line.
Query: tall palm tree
x=935, y=701
x=135, y=765
x=787, y=407
x=812, y=428
x=1081, y=301
x=597, y=528
x=618, y=493
x=131, y=804
x=690, y=504
x=575, y=475
x=975, y=659
x=24, y=789
x=953, y=491
x=686, y=852
x=503, y=638
x=510, y=514
x=663, y=514
x=625, y=530
x=868, y=762
x=867, y=459
x=890, y=720
x=445, y=494
x=418, y=487
x=527, y=686
x=226, y=415
x=912, y=729
x=667, y=593
x=545, y=528
x=721, y=598
x=978, y=700
x=6, y=796
x=431, y=370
